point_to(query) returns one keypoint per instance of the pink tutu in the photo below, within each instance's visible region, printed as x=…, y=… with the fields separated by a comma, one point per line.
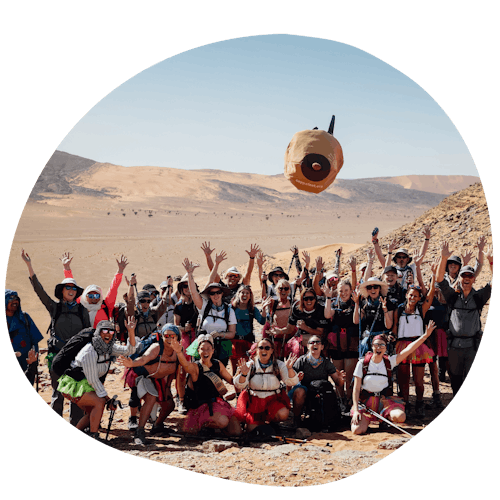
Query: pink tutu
x=197, y=418
x=382, y=405
x=424, y=354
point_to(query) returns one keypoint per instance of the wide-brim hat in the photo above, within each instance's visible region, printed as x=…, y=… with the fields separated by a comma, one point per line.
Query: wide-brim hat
x=184, y=279
x=233, y=270
x=384, y=287
x=402, y=250
x=225, y=290
x=278, y=269
x=330, y=274
x=67, y=281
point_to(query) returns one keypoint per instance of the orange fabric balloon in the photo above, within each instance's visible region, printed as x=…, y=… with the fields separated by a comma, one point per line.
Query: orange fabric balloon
x=312, y=160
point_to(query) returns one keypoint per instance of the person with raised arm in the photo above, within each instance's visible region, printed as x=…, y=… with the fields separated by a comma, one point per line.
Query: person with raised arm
x=373, y=383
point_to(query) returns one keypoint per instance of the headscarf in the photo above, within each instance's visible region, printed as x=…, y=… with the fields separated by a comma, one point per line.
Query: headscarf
x=93, y=309
x=98, y=343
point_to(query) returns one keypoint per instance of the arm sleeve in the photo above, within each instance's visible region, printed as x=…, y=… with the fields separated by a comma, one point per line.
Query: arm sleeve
x=89, y=365
x=42, y=294
x=445, y=287
x=34, y=332
x=242, y=385
x=123, y=350
x=258, y=316
x=113, y=291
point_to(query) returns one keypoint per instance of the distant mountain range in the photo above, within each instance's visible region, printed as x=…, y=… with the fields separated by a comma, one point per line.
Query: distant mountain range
x=67, y=174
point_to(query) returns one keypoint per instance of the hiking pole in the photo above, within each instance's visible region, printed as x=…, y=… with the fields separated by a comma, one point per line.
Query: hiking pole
x=112, y=402
x=380, y=417
x=284, y=439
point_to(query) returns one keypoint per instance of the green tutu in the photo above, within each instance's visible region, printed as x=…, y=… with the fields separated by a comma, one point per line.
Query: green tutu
x=69, y=386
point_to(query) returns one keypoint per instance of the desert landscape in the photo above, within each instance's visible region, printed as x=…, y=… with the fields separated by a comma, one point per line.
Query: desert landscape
x=157, y=217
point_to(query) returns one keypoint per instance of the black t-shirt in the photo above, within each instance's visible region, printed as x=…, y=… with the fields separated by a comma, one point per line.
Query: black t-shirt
x=321, y=372
x=344, y=313
x=373, y=312
x=187, y=312
x=314, y=319
x=396, y=294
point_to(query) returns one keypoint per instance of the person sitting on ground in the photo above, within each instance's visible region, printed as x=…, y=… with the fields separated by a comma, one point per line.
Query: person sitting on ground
x=24, y=335
x=408, y=326
x=246, y=313
x=152, y=374
x=99, y=307
x=185, y=317
x=205, y=390
x=373, y=312
x=233, y=276
x=465, y=333
x=309, y=368
x=262, y=399
x=67, y=319
x=215, y=316
x=83, y=382
x=373, y=383
x=343, y=337
x=277, y=314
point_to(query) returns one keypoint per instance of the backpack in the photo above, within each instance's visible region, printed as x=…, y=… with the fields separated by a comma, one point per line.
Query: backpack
x=366, y=362
x=207, y=310
x=54, y=339
x=62, y=360
x=322, y=407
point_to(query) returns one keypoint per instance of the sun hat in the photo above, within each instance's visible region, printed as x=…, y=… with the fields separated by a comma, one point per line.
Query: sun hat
x=277, y=269
x=330, y=274
x=402, y=250
x=225, y=290
x=67, y=281
x=184, y=279
x=373, y=281
x=233, y=270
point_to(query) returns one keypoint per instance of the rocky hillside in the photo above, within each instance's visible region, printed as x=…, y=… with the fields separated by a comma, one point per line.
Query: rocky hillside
x=459, y=219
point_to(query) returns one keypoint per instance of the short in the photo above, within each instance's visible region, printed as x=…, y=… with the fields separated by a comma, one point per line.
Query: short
x=382, y=405
x=73, y=390
x=294, y=388
x=197, y=418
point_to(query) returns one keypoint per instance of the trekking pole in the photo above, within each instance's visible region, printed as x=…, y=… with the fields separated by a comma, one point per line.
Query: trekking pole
x=284, y=439
x=380, y=417
x=36, y=374
x=112, y=402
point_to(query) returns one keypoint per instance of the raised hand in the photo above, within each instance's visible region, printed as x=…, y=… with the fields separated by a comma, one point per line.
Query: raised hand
x=338, y=252
x=481, y=242
x=254, y=250
x=243, y=367
x=307, y=258
x=220, y=257
x=133, y=280
x=122, y=264
x=445, y=250
x=25, y=257
x=319, y=264
x=352, y=262
x=392, y=245
x=189, y=266
x=125, y=361
x=426, y=230
x=289, y=362
x=370, y=253
x=466, y=257
x=430, y=328
x=66, y=260
x=418, y=258
x=383, y=302
x=355, y=296
x=294, y=250
x=131, y=323
x=176, y=346
x=205, y=246
x=488, y=253
x=32, y=356
x=260, y=259
x=327, y=290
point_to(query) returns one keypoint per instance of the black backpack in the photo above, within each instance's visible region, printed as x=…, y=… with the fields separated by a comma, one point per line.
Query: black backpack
x=322, y=407
x=54, y=340
x=62, y=360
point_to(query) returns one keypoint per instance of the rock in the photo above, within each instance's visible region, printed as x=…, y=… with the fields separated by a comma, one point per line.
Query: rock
x=218, y=446
x=302, y=433
x=393, y=444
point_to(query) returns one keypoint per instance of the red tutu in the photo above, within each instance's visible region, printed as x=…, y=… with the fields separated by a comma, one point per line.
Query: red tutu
x=257, y=411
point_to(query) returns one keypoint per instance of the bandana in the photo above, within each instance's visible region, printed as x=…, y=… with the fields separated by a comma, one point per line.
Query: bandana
x=98, y=343
x=314, y=362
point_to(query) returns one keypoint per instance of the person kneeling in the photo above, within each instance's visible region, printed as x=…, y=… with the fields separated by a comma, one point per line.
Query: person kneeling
x=314, y=387
x=373, y=383
x=262, y=399
x=152, y=373
x=204, y=390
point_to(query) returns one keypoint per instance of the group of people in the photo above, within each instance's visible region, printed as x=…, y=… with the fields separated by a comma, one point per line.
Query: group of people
x=318, y=344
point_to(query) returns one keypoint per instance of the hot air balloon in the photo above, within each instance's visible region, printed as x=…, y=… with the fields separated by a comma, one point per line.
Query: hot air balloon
x=313, y=159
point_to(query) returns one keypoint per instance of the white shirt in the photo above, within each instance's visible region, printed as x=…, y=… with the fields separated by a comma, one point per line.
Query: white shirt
x=215, y=322
x=374, y=382
x=410, y=326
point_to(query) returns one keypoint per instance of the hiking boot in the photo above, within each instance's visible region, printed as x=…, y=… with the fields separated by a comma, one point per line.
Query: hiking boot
x=420, y=409
x=436, y=400
x=132, y=423
x=160, y=430
x=297, y=422
x=140, y=437
x=95, y=435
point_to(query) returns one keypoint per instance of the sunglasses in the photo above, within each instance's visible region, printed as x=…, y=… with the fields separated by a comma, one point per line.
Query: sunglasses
x=401, y=256
x=106, y=330
x=378, y=345
x=284, y=288
x=170, y=335
x=373, y=287
x=94, y=295
x=155, y=293
x=217, y=292
x=279, y=275
x=69, y=287
x=181, y=287
x=144, y=301
x=467, y=275
x=265, y=348
x=314, y=342
x=309, y=299
x=233, y=276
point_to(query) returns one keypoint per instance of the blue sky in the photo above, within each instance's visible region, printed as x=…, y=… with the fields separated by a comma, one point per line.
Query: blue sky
x=235, y=105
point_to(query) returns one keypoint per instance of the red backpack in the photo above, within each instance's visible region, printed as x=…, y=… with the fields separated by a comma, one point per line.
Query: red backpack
x=366, y=361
